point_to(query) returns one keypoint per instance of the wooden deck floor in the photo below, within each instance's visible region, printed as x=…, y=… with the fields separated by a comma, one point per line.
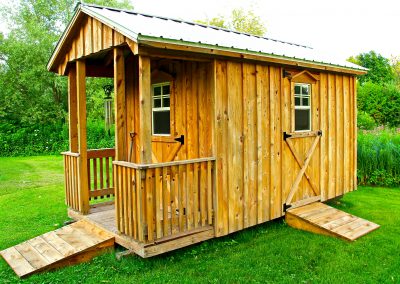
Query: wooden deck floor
x=103, y=216
x=323, y=219
x=68, y=245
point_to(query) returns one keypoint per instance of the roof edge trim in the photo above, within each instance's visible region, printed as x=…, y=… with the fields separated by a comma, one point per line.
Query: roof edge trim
x=318, y=65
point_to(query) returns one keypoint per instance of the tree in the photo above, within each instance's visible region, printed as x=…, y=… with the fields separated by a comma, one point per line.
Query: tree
x=29, y=94
x=245, y=21
x=380, y=70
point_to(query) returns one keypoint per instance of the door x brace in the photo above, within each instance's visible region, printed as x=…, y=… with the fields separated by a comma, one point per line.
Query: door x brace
x=302, y=164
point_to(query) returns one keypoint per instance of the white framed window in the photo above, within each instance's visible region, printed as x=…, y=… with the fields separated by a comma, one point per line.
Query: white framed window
x=161, y=114
x=302, y=107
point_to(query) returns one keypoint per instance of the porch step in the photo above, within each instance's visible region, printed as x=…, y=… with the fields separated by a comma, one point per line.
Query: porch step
x=323, y=219
x=72, y=244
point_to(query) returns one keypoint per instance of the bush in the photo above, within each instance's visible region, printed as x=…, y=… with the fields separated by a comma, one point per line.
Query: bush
x=378, y=158
x=365, y=121
x=381, y=102
x=48, y=139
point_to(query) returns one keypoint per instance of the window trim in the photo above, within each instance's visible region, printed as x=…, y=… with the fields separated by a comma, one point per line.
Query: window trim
x=301, y=107
x=160, y=109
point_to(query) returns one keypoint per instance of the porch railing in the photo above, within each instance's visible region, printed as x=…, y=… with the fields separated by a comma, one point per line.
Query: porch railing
x=100, y=177
x=71, y=175
x=157, y=201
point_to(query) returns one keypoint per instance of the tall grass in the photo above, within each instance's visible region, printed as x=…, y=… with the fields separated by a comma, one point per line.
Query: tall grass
x=379, y=157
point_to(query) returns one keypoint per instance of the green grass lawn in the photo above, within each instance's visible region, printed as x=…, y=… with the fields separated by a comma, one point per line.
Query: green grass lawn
x=32, y=203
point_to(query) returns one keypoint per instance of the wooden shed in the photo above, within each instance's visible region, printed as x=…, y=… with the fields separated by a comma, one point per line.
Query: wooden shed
x=215, y=131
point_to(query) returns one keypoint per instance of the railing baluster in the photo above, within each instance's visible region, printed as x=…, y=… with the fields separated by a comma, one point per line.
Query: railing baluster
x=209, y=192
x=132, y=179
x=165, y=197
x=181, y=195
x=101, y=173
x=203, y=192
x=149, y=205
x=189, y=196
x=159, y=214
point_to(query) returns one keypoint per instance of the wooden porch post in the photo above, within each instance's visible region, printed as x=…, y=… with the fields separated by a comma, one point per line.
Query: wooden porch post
x=120, y=115
x=72, y=110
x=81, y=108
x=145, y=109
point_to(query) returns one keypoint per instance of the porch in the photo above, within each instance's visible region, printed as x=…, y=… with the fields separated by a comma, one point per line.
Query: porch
x=148, y=208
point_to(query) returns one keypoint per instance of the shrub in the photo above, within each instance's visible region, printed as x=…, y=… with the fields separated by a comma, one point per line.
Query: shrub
x=365, y=121
x=48, y=138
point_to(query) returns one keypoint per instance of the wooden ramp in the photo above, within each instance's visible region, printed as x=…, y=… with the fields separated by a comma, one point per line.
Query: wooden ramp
x=72, y=244
x=322, y=219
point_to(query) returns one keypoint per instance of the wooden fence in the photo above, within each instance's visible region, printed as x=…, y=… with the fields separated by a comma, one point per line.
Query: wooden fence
x=157, y=201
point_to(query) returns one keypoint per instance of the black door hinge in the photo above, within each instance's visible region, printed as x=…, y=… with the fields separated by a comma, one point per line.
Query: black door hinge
x=286, y=207
x=181, y=139
x=286, y=136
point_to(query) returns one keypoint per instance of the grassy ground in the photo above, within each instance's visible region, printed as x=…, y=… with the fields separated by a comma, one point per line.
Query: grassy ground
x=32, y=202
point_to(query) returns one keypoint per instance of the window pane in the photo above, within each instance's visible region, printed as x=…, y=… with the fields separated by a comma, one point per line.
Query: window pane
x=157, y=102
x=297, y=101
x=297, y=89
x=306, y=101
x=166, y=90
x=302, y=119
x=161, y=122
x=157, y=91
x=166, y=102
x=304, y=90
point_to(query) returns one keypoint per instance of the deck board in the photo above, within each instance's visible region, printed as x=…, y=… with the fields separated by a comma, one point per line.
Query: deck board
x=71, y=244
x=323, y=219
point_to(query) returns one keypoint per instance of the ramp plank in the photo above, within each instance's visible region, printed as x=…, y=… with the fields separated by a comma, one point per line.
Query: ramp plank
x=18, y=263
x=71, y=244
x=322, y=219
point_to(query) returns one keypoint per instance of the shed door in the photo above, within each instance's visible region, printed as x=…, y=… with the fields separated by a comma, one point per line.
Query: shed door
x=301, y=139
x=301, y=185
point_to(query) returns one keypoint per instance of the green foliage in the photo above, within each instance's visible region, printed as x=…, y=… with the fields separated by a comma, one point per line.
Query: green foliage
x=32, y=203
x=48, y=138
x=380, y=70
x=365, y=121
x=30, y=96
x=378, y=158
x=245, y=21
x=381, y=102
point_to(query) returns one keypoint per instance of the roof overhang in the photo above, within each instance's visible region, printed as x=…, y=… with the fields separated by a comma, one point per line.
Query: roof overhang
x=187, y=46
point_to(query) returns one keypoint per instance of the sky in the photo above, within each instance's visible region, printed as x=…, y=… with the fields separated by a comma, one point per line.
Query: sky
x=341, y=28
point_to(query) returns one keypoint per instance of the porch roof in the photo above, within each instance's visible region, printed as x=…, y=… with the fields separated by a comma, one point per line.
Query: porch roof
x=144, y=28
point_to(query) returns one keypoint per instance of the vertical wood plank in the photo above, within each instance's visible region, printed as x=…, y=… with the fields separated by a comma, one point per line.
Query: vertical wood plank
x=275, y=130
x=209, y=193
x=235, y=146
x=332, y=135
x=133, y=186
x=323, y=94
x=158, y=193
x=165, y=199
x=181, y=188
x=149, y=205
x=139, y=205
x=346, y=135
x=355, y=132
x=221, y=133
